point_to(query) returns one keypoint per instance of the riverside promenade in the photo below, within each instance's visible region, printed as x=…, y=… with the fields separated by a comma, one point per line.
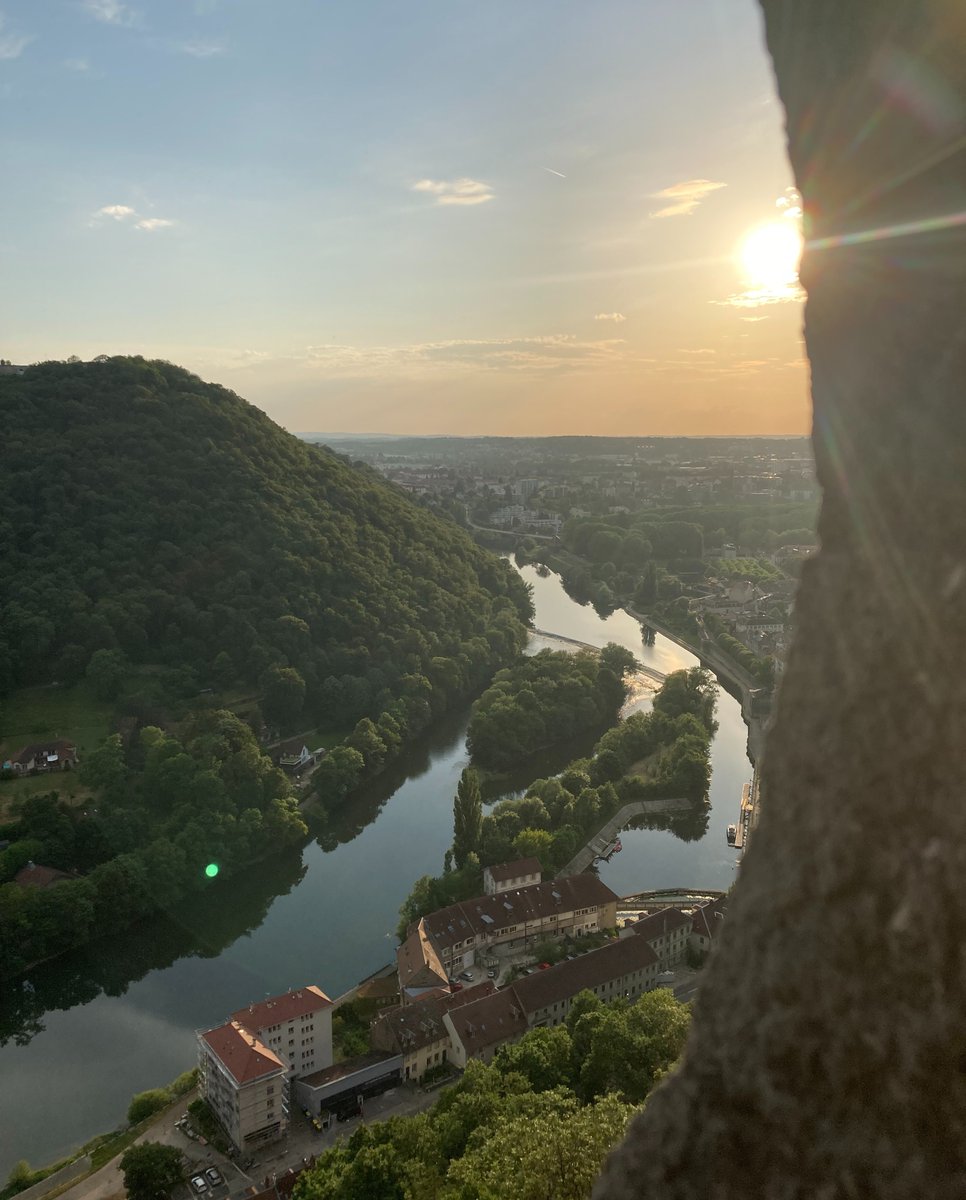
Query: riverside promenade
x=604, y=836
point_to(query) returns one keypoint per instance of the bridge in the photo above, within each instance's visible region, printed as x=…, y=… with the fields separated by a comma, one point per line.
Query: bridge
x=650, y=672
x=668, y=898
x=603, y=838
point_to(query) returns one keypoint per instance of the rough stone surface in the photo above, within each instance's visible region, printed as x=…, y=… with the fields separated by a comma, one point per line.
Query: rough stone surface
x=828, y=1052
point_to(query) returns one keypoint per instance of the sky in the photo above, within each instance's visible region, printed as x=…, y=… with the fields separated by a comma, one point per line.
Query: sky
x=441, y=216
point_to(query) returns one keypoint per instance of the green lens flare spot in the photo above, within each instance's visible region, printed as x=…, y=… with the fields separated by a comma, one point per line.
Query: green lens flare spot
x=211, y=870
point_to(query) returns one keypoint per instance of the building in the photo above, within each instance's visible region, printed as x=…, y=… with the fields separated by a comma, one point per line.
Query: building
x=417, y=1031
x=446, y=942
x=706, y=924
x=35, y=876
x=666, y=932
x=244, y=1083
x=43, y=756
x=246, y=1064
x=294, y=755
x=504, y=876
x=626, y=968
x=341, y=1089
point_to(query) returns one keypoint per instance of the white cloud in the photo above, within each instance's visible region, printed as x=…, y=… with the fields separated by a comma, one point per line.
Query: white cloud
x=790, y=293
x=124, y=212
x=685, y=197
x=77, y=64
x=120, y=212
x=455, y=191
x=12, y=44
x=110, y=12
x=616, y=317
x=200, y=48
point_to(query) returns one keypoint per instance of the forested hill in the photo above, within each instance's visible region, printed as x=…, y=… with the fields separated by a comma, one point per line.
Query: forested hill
x=147, y=517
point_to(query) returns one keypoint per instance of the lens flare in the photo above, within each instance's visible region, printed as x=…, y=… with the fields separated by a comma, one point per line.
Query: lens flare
x=211, y=870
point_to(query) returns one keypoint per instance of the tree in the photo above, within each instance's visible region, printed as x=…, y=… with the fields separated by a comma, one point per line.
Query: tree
x=151, y=1170
x=283, y=694
x=467, y=816
x=145, y=1104
x=106, y=671
x=535, y=843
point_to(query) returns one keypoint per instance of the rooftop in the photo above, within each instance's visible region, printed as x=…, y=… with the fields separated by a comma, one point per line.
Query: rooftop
x=346, y=1068
x=659, y=924
x=421, y=1023
x=501, y=872
x=241, y=1053
x=279, y=1009
x=489, y=1021
x=586, y=971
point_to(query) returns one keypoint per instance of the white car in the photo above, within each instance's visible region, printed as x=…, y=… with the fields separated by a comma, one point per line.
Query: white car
x=199, y=1184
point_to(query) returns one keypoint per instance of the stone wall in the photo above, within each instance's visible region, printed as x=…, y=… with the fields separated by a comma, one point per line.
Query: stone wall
x=828, y=1053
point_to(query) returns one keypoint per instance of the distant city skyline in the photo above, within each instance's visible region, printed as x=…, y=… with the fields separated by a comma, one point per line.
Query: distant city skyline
x=506, y=219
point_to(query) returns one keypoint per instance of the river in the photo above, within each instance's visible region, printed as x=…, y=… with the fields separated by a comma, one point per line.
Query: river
x=115, y=1019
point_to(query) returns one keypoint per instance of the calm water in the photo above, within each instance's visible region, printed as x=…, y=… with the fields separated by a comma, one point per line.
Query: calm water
x=118, y=1018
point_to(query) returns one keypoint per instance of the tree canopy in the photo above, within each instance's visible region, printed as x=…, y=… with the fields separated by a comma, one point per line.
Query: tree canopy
x=148, y=518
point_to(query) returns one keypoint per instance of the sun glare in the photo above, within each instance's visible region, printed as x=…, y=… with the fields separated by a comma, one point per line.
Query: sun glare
x=770, y=255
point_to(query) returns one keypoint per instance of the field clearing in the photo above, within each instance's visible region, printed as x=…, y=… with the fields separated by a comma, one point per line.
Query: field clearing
x=40, y=714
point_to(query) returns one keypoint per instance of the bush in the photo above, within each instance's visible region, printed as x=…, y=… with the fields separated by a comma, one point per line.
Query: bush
x=146, y=1104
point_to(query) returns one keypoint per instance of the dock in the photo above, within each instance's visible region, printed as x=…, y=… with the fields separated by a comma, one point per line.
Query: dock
x=748, y=812
x=606, y=835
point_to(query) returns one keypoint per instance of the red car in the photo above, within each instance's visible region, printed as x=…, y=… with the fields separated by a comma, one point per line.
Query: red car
x=544, y=966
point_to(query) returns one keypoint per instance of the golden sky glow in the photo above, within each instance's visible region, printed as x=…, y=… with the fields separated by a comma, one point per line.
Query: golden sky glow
x=429, y=218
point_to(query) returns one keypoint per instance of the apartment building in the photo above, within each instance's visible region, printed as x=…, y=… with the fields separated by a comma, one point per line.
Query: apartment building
x=245, y=1084
x=448, y=941
x=246, y=1064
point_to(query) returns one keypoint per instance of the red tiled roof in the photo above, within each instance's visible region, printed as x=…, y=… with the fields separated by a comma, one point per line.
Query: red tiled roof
x=417, y=961
x=501, y=872
x=489, y=1021
x=40, y=877
x=589, y=970
x=241, y=1053
x=280, y=1009
x=659, y=924
x=708, y=918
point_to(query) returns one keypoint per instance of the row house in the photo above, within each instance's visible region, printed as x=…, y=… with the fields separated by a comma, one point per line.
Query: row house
x=625, y=968
x=417, y=1031
x=503, y=877
x=448, y=941
x=666, y=932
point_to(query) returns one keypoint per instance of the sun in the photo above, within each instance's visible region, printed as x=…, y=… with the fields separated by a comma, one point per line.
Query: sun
x=770, y=254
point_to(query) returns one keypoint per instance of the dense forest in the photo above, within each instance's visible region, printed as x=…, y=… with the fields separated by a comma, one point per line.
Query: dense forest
x=535, y=1124
x=148, y=519
x=172, y=815
x=544, y=699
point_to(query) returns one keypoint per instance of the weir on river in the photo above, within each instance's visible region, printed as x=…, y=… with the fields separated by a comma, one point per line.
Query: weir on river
x=119, y=1017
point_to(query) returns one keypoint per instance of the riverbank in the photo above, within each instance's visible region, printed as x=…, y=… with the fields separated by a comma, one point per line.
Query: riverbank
x=114, y=1019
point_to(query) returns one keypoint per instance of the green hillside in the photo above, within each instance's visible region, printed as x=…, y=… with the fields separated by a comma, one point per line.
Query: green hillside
x=161, y=536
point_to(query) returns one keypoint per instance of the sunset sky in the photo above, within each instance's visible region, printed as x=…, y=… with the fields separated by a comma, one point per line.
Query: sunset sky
x=440, y=216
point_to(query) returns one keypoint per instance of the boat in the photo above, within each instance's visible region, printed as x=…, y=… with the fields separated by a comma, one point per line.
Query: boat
x=732, y=834
x=615, y=847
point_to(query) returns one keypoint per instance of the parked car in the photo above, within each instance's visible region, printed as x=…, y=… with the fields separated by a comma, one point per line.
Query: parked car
x=467, y=975
x=491, y=974
x=544, y=967
x=213, y=1175
x=455, y=985
x=199, y=1184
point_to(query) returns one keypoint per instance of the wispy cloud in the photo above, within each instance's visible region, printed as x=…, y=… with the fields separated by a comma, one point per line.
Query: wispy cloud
x=549, y=353
x=119, y=212
x=201, y=48
x=685, y=197
x=124, y=212
x=789, y=293
x=455, y=191
x=110, y=12
x=77, y=64
x=12, y=45
x=617, y=318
